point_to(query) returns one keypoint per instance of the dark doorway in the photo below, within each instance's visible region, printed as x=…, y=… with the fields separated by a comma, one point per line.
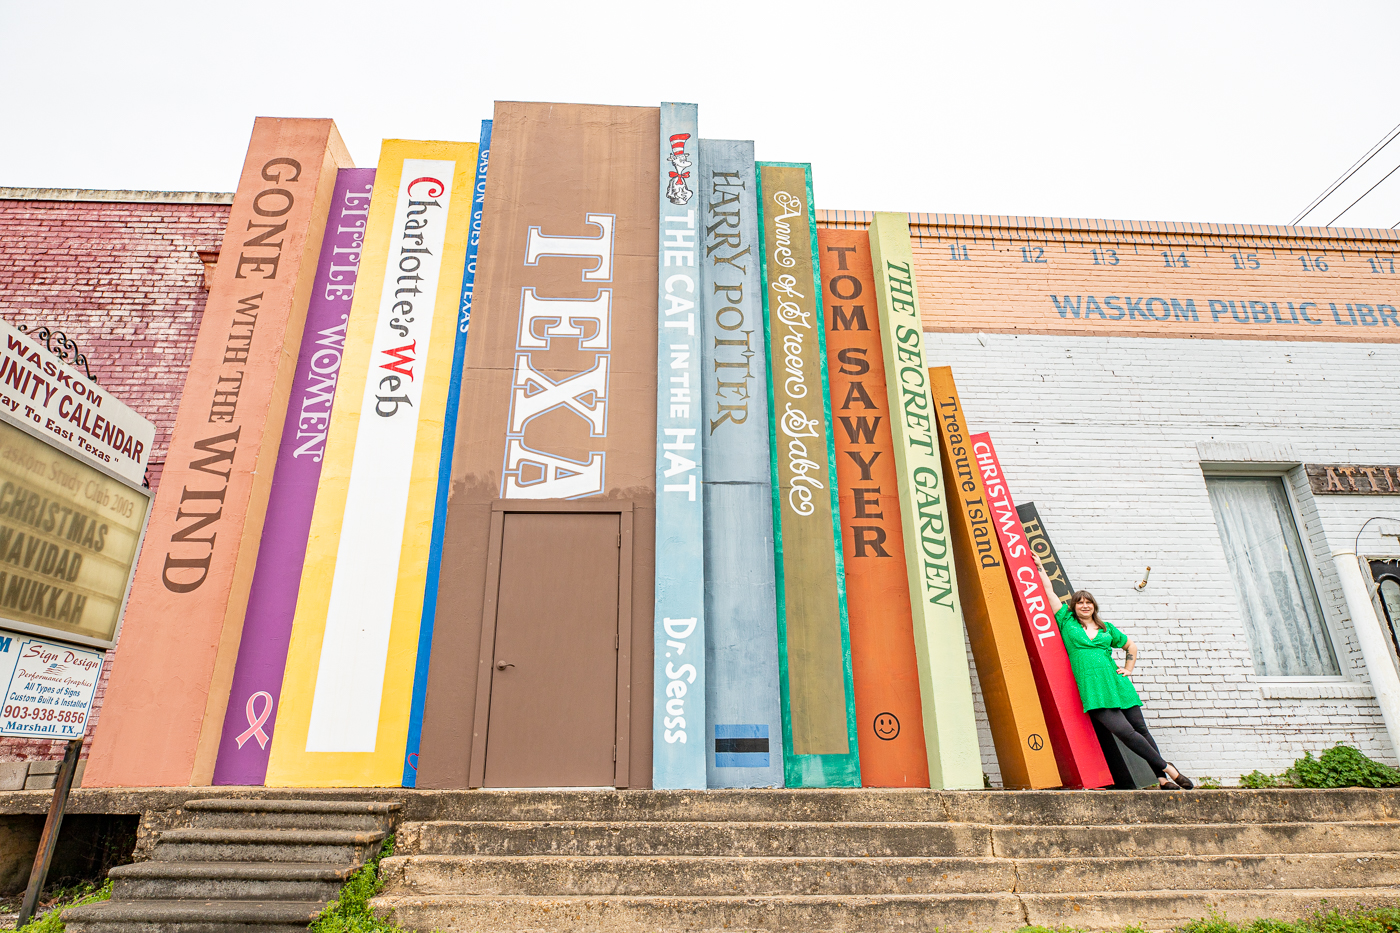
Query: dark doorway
x=553, y=675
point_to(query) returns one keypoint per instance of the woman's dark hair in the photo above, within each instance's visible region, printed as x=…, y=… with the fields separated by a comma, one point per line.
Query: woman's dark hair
x=1085, y=594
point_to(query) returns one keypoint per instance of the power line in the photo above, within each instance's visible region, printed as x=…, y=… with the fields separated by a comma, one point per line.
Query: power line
x=1364, y=193
x=1386, y=140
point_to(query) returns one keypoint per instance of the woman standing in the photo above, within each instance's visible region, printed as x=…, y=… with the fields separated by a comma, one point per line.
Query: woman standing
x=1109, y=696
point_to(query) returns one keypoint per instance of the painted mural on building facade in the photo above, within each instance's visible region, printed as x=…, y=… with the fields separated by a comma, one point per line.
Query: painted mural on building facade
x=581, y=456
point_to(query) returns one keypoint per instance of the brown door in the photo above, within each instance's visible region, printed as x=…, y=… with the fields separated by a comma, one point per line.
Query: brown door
x=554, y=674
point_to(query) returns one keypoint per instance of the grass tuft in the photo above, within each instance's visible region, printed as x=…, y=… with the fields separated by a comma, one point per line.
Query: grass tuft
x=350, y=913
x=51, y=920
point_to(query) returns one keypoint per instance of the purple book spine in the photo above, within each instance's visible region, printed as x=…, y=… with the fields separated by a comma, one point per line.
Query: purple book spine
x=267, y=628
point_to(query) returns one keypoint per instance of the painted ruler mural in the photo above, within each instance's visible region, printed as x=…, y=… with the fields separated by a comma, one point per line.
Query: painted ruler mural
x=744, y=718
x=945, y=684
x=1153, y=279
x=819, y=729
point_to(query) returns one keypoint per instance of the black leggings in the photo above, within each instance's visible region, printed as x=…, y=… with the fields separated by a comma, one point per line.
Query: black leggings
x=1131, y=730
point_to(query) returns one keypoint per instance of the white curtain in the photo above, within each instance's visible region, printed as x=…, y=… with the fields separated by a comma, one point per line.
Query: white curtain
x=1282, y=616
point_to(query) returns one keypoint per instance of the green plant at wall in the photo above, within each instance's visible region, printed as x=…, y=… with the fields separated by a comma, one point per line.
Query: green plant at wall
x=1342, y=766
x=52, y=919
x=350, y=913
x=1358, y=920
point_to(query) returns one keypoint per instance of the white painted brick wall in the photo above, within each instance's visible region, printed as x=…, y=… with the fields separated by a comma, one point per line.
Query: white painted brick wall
x=1102, y=434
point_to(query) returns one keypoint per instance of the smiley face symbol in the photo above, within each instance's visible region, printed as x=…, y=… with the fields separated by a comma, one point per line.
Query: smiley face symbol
x=886, y=726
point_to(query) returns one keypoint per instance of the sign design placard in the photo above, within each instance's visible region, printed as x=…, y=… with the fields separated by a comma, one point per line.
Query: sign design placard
x=819, y=734
x=945, y=685
x=347, y=691
x=262, y=653
x=178, y=653
x=48, y=687
x=885, y=669
x=1077, y=752
x=678, y=739
x=1003, y=668
x=744, y=721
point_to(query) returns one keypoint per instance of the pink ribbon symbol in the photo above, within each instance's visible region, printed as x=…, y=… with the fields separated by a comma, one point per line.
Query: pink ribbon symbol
x=256, y=720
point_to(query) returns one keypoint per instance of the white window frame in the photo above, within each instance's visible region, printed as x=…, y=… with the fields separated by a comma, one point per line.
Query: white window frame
x=1281, y=470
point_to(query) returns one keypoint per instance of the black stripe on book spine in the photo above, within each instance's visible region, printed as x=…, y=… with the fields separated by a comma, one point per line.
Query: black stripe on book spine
x=740, y=745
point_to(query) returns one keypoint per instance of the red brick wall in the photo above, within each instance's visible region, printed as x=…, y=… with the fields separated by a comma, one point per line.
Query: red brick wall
x=125, y=281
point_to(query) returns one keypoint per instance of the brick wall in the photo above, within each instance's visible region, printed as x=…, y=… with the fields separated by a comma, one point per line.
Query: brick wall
x=121, y=274
x=1107, y=435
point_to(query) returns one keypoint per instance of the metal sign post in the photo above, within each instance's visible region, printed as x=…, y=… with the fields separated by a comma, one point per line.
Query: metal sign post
x=48, y=841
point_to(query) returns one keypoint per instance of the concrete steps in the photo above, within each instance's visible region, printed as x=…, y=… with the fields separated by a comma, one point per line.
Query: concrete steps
x=870, y=861
x=242, y=866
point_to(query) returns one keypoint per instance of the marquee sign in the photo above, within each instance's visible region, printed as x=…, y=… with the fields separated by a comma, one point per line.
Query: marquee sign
x=72, y=508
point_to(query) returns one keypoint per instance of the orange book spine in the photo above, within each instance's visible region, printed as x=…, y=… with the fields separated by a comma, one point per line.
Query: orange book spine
x=886, y=673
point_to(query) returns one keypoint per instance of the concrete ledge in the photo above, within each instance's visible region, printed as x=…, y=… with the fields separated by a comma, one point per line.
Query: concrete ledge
x=1061, y=807
x=100, y=194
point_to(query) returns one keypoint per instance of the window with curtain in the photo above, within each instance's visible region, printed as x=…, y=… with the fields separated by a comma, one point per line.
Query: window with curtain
x=1282, y=615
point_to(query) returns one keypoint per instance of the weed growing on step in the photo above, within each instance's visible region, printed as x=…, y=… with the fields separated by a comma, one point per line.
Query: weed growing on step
x=1360, y=920
x=1206, y=782
x=1342, y=766
x=51, y=920
x=350, y=913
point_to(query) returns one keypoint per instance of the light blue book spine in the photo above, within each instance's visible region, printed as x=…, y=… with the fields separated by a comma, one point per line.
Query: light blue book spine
x=744, y=732
x=678, y=728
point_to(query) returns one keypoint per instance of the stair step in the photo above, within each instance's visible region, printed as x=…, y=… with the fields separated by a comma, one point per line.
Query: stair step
x=351, y=815
x=888, y=840
x=675, y=838
x=267, y=845
x=193, y=916
x=543, y=876
x=1197, y=839
x=380, y=807
x=228, y=881
x=847, y=914
x=903, y=805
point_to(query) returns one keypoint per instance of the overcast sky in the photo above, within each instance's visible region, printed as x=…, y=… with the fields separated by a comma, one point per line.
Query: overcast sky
x=1220, y=111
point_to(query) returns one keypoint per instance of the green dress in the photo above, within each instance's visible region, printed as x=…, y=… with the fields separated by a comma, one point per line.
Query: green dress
x=1091, y=659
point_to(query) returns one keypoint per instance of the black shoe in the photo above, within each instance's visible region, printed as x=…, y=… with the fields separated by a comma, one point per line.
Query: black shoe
x=1182, y=781
x=1170, y=785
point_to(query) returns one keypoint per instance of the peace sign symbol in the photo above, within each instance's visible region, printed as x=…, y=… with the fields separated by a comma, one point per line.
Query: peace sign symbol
x=1035, y=742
